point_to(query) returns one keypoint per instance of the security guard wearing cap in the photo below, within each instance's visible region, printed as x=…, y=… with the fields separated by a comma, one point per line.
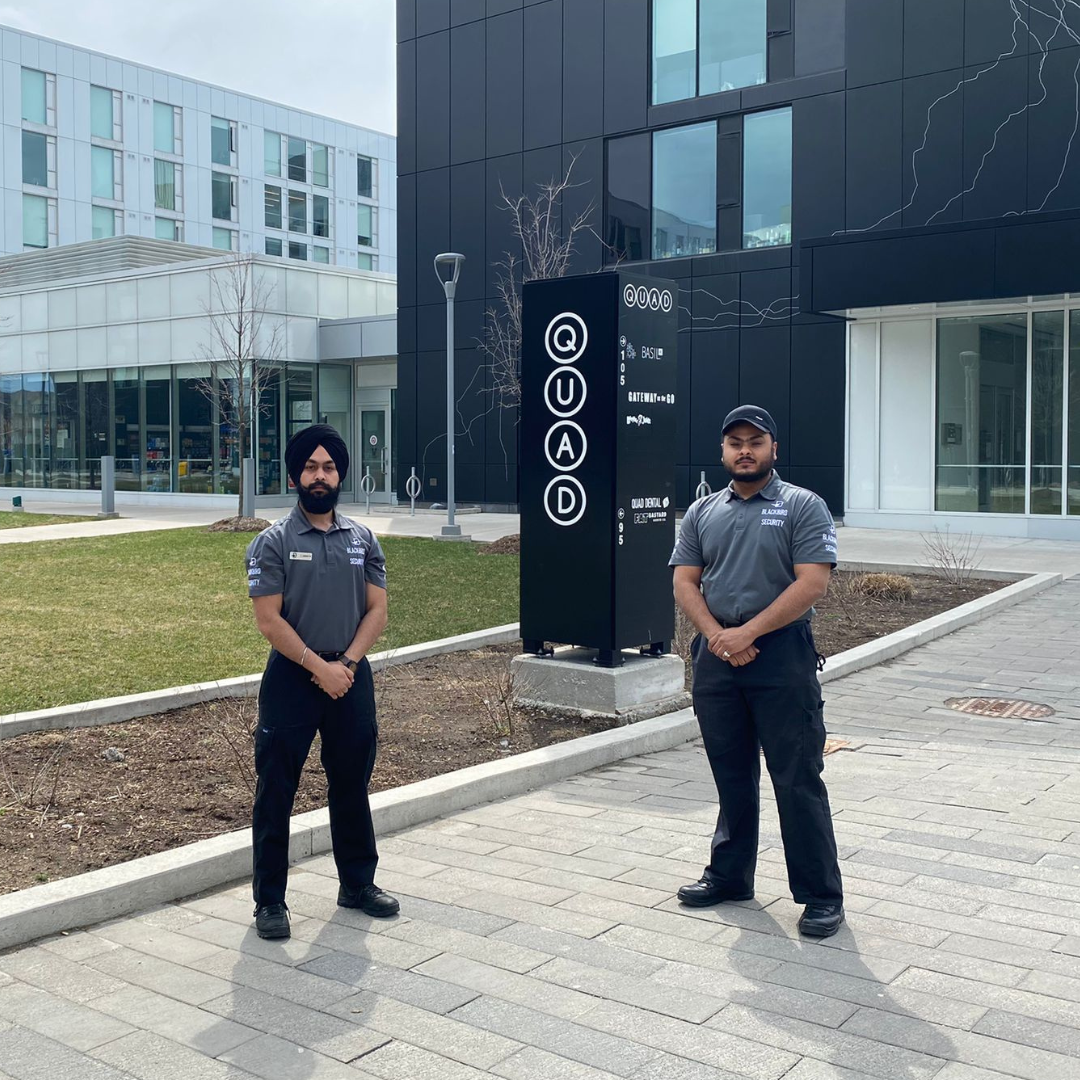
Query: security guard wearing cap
x=750, y=562
x=318, y=582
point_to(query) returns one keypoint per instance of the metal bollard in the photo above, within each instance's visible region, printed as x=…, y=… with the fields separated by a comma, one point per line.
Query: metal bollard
x=108, y=487
x=247, y=488
x=703, y=488
x=412, y=489
x=367, y=486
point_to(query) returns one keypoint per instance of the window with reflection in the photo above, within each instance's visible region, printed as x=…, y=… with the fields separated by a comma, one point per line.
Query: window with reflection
x=297, y=211
x=272, y=204
x=626, y=228
x=127, y=438
x=221, y=141
x=1047, y=406
x=767, y=179
x=221, y=196
x=1073, y=436
x=365, y=234
x=194, y=430
x=732, y=46
x=103, y=222
x=320, y=215
x=65, y=433
x=157, y=432
x=94, y=395
x=268, y=436
x=674, y=51
x=104, y=112
x=10, y=387
x=103, y=173
x=982, y=414
x=35, y=159
x=320, y=165
x=365, y=177
x=271, y=153
x=297, y=159
x=684, y=191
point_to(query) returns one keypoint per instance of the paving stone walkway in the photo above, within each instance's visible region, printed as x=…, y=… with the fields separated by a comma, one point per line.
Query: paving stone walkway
x=539, y=938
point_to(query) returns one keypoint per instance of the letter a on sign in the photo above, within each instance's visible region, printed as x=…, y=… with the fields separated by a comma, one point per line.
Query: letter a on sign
x=565, y=446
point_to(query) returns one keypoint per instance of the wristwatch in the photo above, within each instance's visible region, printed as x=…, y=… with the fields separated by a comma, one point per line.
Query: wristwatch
x=352, y=665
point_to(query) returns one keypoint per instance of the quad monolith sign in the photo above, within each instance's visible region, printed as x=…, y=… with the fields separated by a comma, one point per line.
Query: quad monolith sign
x=598, y=462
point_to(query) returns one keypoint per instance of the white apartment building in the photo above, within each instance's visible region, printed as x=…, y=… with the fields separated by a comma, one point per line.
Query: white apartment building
x=94, y=147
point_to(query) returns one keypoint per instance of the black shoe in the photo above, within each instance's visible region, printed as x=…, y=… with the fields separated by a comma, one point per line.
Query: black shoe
x=821, y=920
x=705, y=892
x=370, y=899
x=272, y=921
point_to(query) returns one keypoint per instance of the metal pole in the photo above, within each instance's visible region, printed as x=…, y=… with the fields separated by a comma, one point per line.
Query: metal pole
x=247, y=481
x=450, y=529
x=108, y=487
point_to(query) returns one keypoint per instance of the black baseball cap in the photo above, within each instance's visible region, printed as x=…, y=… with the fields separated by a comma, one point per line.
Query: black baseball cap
x=750, y=414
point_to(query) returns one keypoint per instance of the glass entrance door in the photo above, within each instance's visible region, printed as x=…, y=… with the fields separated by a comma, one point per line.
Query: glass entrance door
x=375, y=453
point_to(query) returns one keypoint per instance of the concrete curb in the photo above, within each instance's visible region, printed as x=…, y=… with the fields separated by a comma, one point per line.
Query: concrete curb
x=152, y=879
x=132, y=706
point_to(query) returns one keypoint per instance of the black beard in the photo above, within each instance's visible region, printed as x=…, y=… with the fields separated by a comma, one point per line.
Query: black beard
x=749, y=478
x=318, y=502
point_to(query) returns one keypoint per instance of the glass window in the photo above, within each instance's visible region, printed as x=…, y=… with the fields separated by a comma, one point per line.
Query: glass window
x=981, y=414
x=268, y=425
x=35, y=221
x=221, y=196
x=168, y=229
x=157, y=436
x=297, y=159
x=320, y=215
x=320, y=165
x=1047, y=406
x=194, y=430
x=65, y=440
x=674, y=50
x=35, y=159
x=298, y=396
x=127, y=426
x=102, y=174
x=364, y=234
x=104, y=222
x=101, y=113
x=223, y=239
x=273, y=245
x=365, y=261
x=335, y=401
x=767, y=179
x=731, y=52
x=34, y=97
x=165, y=128
x=297, y=211
x=365, y=177
x=221, y=141
x=320, y=254
x=271, y=153
x=627, y=221
x=94, y=399
x=684, y=191
x=297, y=250
x=164, y=185
x=273, y=207
x=10, y=390
x=36, y=412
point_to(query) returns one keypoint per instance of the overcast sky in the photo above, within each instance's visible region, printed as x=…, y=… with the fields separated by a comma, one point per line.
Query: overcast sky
x=333, y=57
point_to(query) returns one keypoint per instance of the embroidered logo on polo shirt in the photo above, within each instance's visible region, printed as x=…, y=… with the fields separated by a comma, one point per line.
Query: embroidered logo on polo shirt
x=300, y=556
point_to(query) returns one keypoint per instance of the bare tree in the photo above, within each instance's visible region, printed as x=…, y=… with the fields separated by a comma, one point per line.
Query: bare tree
x=546, y=251
x=244, y=346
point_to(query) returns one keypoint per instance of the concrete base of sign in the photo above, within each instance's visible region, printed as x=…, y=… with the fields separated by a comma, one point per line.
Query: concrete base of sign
x=107, y=516
x=570, y=681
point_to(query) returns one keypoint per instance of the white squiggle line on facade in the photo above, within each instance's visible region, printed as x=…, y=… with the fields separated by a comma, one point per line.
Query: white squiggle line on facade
x=1027, y=107
x=1017, y=21
x=778, y=311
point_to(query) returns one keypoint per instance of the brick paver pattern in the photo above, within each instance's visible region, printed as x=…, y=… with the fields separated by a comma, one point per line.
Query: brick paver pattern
x=539, y=937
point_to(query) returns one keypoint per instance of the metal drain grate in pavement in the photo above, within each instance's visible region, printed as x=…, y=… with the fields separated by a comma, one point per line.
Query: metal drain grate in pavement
x=1003, y=708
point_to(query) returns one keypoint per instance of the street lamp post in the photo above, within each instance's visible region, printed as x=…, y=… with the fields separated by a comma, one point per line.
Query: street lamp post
x=453, y=261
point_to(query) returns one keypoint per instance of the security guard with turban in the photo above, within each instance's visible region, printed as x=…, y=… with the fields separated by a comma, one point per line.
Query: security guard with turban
x=318, y=582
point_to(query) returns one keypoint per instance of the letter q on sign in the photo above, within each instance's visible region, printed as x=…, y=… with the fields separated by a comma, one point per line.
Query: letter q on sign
x=566, y=337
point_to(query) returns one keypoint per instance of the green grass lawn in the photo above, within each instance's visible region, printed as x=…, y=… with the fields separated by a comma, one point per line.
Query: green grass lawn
x=97, y=617
x=20, y=519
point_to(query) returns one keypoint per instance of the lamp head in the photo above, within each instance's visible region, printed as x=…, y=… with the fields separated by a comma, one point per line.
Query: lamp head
x=452, y=260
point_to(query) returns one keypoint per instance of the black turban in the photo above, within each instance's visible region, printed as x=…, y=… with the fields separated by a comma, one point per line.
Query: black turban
x=302, y=445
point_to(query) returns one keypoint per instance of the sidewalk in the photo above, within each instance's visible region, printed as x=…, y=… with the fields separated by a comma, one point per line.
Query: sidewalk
x=539, y=937
x=134, y=519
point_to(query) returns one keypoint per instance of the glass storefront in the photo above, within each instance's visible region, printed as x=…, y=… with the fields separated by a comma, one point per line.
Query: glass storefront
x=167, y=426
x=1008, y=414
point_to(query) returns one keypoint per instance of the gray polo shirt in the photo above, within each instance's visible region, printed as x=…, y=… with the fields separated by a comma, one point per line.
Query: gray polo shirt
x=322, y=576
x=748, y=548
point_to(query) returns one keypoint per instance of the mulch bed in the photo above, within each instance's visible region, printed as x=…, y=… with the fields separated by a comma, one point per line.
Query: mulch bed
x=72, y=801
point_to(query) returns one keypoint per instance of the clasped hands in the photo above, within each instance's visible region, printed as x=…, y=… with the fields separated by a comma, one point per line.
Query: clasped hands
x=734, y=645
x=335, y=679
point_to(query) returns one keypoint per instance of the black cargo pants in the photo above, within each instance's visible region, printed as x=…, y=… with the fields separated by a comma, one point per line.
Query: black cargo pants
x=291, y=709
x=773, y=703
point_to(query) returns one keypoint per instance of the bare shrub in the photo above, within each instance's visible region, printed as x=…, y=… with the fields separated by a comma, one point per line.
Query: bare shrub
x=493, y=686
x=952, y=558
x=34, y=789
x=894, y=587
x=235, y=721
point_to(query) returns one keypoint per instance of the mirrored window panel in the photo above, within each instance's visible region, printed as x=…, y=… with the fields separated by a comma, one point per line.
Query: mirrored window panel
x=767, y=179
x=684, y=191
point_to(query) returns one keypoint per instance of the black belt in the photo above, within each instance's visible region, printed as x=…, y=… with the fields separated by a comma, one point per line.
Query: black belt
x=330, y=656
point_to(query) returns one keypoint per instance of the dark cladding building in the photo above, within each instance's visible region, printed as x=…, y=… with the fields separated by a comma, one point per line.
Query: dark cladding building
x=871, y=210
